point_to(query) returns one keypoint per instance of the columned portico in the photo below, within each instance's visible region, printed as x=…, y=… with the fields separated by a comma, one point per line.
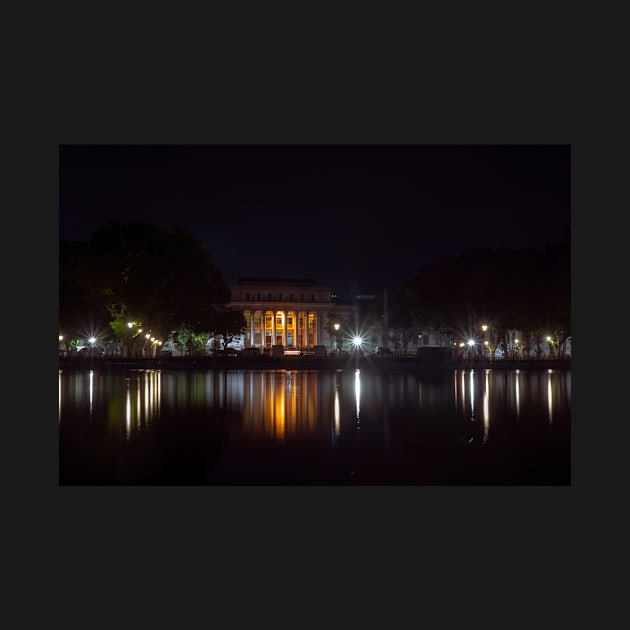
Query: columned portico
x=290, y=313
x=290, y=328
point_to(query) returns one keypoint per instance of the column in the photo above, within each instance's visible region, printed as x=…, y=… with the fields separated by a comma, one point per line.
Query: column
x=253, y=316
x=306, y=328
x=273, y=328
x=284, y=328
x=263, y=339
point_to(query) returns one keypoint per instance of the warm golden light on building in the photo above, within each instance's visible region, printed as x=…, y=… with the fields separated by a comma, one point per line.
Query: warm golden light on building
x=288, y=313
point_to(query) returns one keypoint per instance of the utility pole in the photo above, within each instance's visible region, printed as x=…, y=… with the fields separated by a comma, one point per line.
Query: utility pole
x=385, y=320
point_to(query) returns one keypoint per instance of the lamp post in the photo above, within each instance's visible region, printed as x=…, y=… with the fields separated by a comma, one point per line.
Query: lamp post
x=471, y=345
x=490, y=340
x=336, y=327
x=552, y=346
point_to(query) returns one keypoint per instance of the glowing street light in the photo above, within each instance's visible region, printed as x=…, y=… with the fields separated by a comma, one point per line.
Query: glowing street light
x=552, y=344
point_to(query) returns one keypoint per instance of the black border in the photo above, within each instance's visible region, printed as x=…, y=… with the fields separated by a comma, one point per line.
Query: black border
x=430, y=103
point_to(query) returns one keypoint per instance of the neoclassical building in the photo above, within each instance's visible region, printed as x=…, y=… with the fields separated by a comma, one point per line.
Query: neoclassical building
x=288, y=312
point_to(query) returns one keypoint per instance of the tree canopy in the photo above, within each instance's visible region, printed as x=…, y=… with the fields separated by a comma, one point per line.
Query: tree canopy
x=143, y=274
x=528, y=290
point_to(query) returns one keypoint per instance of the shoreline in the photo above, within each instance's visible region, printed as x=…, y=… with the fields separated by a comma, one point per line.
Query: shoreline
x=304, y=363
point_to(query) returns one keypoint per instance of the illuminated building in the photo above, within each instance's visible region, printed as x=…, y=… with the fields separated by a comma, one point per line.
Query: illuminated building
x=284, y=312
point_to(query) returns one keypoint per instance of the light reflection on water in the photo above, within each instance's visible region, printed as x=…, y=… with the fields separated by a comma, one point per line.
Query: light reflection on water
x=221, y=427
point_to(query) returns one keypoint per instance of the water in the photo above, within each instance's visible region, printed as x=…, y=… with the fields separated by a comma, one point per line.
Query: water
x=302, y=427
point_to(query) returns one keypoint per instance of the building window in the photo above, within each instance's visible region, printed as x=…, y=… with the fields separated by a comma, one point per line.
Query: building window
x=312, y=297
x=259, y=296
x=270, y=297
x=290, y=297
x=247, y=296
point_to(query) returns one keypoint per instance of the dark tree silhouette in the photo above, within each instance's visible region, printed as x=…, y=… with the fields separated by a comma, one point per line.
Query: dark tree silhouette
x=140, y=273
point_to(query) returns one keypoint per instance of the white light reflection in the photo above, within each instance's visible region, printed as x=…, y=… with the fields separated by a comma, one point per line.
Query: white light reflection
x=59, y=396
x=337, y=414
x=486, y=410
x=455, y=386
x=139, y=404
x=549, y=397
x=357, y=392
x=91, y=389
x=147, y=397
x=518, y=395
x=464, y=390
x=472, y=395
x=128, y=412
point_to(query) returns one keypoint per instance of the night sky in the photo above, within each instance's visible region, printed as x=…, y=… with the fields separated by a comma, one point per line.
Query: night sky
x=357, y=218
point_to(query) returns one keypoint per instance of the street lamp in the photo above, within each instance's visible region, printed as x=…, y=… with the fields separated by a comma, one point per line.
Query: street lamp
x=357, y=341
x=552, y=345
x=336, y=327
x=471, y=345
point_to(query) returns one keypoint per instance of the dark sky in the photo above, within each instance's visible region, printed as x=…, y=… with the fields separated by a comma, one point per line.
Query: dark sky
x=354, y=217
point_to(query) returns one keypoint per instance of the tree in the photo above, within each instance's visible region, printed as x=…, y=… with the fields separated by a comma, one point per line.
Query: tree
x=528, y=290
x=229, y=324
x=337, y=327
x=140, y=273
x=82, y=313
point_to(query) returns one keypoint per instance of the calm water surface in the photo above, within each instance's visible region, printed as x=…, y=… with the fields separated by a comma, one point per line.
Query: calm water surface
x=279, y=427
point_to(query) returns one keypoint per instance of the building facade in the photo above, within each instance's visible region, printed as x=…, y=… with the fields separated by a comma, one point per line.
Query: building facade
x=282, y=312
